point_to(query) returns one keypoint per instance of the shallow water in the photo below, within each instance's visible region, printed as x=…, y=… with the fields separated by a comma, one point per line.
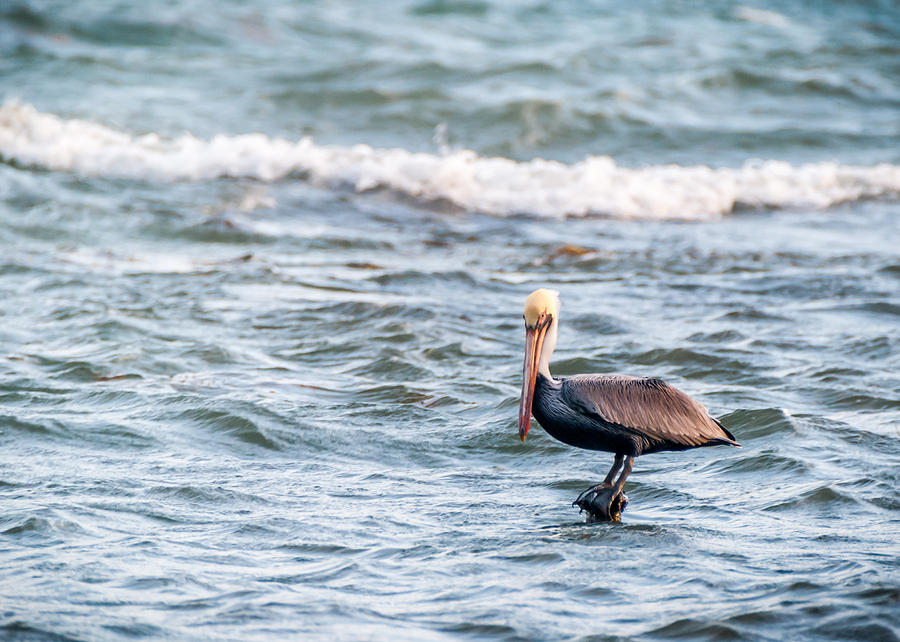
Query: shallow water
x=250, y=392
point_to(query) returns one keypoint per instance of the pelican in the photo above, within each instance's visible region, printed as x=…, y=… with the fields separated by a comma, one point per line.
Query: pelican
x=623, y=415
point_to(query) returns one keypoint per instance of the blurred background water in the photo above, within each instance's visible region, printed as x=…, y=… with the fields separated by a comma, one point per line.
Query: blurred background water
x=261, y=281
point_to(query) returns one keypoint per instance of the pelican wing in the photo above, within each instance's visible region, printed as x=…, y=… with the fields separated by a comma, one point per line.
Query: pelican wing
x=647, y=406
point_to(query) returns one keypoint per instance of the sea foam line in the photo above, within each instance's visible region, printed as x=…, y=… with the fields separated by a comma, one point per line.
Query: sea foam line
x=498, y=186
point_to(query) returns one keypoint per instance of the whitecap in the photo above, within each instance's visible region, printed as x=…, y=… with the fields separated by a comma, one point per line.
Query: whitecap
x=491, y=185
x=761, y=16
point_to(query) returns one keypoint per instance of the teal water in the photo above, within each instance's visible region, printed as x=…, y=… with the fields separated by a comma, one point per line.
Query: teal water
x=261, y=281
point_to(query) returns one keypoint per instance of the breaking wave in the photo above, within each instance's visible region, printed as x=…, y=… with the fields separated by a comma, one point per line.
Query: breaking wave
x=498, y=186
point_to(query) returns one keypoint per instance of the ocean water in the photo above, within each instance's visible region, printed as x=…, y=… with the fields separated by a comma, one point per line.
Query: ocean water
x=262, y=267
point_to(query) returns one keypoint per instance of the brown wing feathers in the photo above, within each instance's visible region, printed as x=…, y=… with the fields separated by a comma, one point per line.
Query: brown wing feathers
x=648, y=406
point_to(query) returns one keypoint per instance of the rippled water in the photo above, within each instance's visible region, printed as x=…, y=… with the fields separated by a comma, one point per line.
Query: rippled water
x=265, y=388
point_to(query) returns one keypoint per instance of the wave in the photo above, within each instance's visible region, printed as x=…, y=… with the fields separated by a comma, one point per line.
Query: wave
x=498, y=186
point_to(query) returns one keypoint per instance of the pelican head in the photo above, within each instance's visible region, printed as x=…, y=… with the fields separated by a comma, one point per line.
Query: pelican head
x=541, y=323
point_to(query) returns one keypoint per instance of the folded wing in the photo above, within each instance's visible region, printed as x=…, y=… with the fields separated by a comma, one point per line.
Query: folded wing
x=650, y=407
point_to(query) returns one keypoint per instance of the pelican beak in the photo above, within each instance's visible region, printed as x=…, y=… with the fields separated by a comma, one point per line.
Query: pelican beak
x=534, y=342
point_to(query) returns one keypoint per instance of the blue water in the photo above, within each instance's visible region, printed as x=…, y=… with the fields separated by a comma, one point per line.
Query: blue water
x=262, y=268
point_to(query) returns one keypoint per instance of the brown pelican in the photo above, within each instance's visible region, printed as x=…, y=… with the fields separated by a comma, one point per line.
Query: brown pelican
x=627, y=416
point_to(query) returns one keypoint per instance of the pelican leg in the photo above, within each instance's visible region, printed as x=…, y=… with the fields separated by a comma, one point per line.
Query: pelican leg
x=617, y=464
x=626, y=470
x=606, y=483
x=606, y=501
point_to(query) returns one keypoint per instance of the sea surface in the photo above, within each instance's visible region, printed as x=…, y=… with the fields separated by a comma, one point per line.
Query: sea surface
x=262, y=267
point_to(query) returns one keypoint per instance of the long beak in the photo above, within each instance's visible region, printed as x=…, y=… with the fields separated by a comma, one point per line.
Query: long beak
x=534, y=341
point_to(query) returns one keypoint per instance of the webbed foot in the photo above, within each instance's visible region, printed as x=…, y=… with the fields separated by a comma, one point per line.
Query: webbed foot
x=588, y=494
x=602, y=503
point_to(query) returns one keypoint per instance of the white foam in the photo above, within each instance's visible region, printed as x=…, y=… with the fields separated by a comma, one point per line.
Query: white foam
x=491, y=185
x=762, y=16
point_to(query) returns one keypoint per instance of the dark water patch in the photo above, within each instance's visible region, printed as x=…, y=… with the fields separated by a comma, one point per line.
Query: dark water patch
x=44, y=426
x=329, y=572
x=877, y=347
x=208, y=354
x=115, y=435
x=311, y=98
x=885, y=499
x=535, y=559
x=596, y=323
x=448, y=402
x=357, y=69
x=207, y=494
x=500, y=437
x=323, y=351
x=443, y=8
x=391, y=368
x=75, y=370
x=136, y=630
x=591, y=592
x=363, y=265
x=22, y=15
x=35, y=530
x=751, y=314
x=755, y=424
x=800, y=587
x=121, y=377
x=255, y=532
x=837, y=374
x=809, y=287
x=781, y=343
x=886, y=596
x=421, y=551
x=820, y=610
x=396, y=334
x=664, y=495
x=132, y=33
x=414, y=277
x=580, y=365
x=688, y=357
x=233, y=421
x=344, y=243
x=756, y=618
x=351, y=312
x=477, y=630
x=857, y=627
x=851, y=435
x=449, y=352
x=766, y=461
x=221, y=230
x=151, y=512
x=856, y=400
x=722, y=336
x=392, y=394
x=68, y=311
x=318, y=548
x=29, y=390
x=874, y=307
x=30, y=526
x=694, y=629
x=758, y=79
x=823, y=498
x=20, y=630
